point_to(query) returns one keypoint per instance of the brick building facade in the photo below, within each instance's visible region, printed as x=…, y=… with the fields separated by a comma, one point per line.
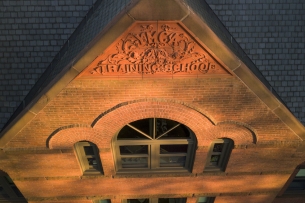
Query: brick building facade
x=167, y=76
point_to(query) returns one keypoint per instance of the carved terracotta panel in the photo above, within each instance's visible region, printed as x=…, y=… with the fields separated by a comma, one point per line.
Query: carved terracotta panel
x=155, y=49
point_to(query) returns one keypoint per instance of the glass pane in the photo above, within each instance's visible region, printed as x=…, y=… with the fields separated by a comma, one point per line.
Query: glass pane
x=104, y=201
x=214, y=159
x=171, y=161
x=145, y=125
x=92, y=161
x=171, y=200
x=129, y=133
x=202, y=200
x=134, y=149
x=89, y=150
x=137, y=200
x=218, y=147
x=3, y=193
x=301, y=173
x=179, y=132
x=163, y=125
x=181, y=148
x=134, y=162
x=296, y=185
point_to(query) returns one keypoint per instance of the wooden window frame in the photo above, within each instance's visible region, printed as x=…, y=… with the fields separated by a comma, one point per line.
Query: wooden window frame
x=83, y=161
x=228, y=145
x=153, y=155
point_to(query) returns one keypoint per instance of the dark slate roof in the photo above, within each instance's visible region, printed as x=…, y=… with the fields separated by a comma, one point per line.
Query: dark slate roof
x=92, y=23
x=32, y=33
x=272, y=33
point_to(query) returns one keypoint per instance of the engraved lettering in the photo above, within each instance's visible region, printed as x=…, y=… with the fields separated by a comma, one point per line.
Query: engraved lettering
x=153, y=49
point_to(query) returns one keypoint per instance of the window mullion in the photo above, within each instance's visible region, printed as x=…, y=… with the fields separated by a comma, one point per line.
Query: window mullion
x=154, y=156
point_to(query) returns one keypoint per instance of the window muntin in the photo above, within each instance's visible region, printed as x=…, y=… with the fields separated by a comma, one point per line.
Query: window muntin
x=88, y=157
x=154, y=144
x=218, y=155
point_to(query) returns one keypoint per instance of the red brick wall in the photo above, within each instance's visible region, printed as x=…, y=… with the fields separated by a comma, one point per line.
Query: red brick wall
x=95, y=110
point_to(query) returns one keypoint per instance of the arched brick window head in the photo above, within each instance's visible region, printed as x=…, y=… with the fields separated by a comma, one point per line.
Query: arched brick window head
x=219, y=154
x=154, y=144
x=88, y=157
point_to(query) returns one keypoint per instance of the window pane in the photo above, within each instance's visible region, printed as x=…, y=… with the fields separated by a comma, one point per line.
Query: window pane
x=134, y=149
x=129, y=133
x=89, y=150
x=163, y=125
x=202, y=199
x=137, y=200
x=171, y=200
x=134, y=162
x=172, y=161
x=3, y=193
x=301, y=173
x=181, y=148
x=92, y=162
x=218, y=147
x=296, y=185
x=145, y=125
x=104, y=201
x=214, y=159
x=179, y=132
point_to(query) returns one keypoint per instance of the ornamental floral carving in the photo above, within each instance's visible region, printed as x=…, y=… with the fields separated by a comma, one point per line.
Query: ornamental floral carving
x=155, y=48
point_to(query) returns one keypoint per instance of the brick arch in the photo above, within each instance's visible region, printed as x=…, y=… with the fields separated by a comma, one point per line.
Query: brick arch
x=67, y=137
x=240, y=133
x=106, y=126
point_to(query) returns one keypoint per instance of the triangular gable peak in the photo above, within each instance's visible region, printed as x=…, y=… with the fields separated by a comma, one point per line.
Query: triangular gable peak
x=185, y=36
x=155, y=49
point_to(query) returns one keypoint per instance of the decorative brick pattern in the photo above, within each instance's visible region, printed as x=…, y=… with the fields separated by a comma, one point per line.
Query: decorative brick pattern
x=104, y=128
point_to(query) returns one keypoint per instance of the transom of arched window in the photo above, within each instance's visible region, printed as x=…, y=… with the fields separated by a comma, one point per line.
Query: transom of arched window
x=154, y=129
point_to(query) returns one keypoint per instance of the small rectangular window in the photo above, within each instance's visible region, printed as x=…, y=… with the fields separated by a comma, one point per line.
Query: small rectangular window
x=218, y=155
x=89, y=158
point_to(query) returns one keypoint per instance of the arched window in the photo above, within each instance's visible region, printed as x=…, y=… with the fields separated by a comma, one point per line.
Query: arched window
x=88, y=157
x=218, y=155
x=154, y=144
